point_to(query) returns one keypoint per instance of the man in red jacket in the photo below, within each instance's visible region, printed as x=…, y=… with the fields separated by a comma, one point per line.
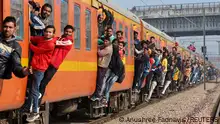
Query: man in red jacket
x=43, y=47
x=63, y=46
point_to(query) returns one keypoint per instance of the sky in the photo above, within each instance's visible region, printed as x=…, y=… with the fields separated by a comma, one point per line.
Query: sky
x=128, y=4
x=212, y=45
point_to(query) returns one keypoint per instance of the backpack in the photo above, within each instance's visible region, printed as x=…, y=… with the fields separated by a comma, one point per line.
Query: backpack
x=116, y=65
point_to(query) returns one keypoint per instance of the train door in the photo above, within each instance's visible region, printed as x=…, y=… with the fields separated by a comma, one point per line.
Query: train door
x=1, y=14
x=13, y=94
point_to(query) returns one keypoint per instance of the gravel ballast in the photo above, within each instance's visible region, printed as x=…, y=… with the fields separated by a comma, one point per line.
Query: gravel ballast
x=192, y=106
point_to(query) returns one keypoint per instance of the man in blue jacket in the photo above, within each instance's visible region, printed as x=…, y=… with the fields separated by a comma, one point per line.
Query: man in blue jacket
x=10, y=53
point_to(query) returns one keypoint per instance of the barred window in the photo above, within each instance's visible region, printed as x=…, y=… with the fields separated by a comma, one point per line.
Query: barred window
x=88, y=29
x=64, y=14
x=77, y=26
x=17, y=12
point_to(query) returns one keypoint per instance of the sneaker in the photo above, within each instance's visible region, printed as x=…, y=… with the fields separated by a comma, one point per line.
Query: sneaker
x=136, y=90
x=33, y=117
x=147, y=100
x=40, y=95
x=24, y=110
x=94, y=98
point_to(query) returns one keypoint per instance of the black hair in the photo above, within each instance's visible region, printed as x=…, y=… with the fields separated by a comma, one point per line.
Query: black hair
x=175, y=48
x=109, y=27
x=33, y=4
x=121, y=32
x=135, y=32
x=50, y=26
x=10, y=19
x=69, y=27
x=152, y=37
x=47, y=5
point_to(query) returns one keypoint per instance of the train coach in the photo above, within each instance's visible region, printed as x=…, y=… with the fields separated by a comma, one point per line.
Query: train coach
x=75, y=81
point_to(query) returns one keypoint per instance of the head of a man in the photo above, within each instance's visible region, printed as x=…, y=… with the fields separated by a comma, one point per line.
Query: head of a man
x=46, y=10
x=9, y=27
x=109, y=31
x=119, y=34
x=49, y=32
x=68, y=30
x=135, y=35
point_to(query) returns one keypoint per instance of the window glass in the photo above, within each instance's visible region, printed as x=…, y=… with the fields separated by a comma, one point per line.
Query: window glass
x=126, y=41
x=120, y=27
x=131, y=41
x=114, y=27
x=77, y=26
x=88, y=29
x=51, y=20
x=64, y=14
x=17, y=12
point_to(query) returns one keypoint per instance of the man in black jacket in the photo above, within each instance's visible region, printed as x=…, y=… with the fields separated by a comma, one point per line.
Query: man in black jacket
x=10, y=53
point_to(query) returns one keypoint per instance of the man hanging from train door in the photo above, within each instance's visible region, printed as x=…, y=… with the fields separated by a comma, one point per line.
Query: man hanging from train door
x=10, y=53
x=63, y=46
x=36, y=25
x=45, y=13
x=43, y=47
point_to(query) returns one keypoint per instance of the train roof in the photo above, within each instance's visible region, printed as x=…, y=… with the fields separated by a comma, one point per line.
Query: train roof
x=157, y=31
x=124, y=12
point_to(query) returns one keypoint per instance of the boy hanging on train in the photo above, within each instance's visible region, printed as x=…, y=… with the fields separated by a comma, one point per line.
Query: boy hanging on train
x=164, y=63
x=38, y=22
x=36, y=25
x=108, y=34
x=138, y=50
x=116, y=71
x=45, y=13
x=10, y=53
x=147, y=67
x=43, y=47
x=104, y=58
x=187, y=72
x=63, y=46
x=104, y=22
x=175, y=75
x=170, y=67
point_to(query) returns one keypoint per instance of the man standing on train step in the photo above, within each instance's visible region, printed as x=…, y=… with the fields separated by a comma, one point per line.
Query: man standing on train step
x=63, y=46
x=10, y=53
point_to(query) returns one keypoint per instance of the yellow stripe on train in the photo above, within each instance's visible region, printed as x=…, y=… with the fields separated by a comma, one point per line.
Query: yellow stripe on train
x=78, y=66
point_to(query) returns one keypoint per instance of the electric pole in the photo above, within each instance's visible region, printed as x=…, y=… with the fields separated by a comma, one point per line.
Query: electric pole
x=204, y=46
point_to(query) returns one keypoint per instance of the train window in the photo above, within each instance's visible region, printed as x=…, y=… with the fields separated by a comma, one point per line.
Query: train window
x=51, y=16
x=17, y=12
x=64, y=14
x=88, y=29
x=77, y=26
x=131, y=41
x=120, y=26
x=114, y=27
x=126, y=41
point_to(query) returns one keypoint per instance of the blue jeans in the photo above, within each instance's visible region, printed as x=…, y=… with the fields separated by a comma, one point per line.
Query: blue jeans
x=143, y=76
x=34, y=93
x=111, y=79
x=194, y=78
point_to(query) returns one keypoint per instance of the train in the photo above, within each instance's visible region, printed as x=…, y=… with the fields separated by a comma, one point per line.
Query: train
x=75, y=81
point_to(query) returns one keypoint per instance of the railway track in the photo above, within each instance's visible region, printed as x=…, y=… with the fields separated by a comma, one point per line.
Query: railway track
x=124, y=112
x=216, y=112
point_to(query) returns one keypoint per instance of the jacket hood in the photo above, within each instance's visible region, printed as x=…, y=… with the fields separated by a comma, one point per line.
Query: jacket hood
x=14, y=38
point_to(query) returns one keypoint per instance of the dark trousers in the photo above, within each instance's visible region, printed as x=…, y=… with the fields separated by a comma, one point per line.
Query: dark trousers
x=100, y=81
x=138, y=71
x=48, y=75
x=148, y=81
